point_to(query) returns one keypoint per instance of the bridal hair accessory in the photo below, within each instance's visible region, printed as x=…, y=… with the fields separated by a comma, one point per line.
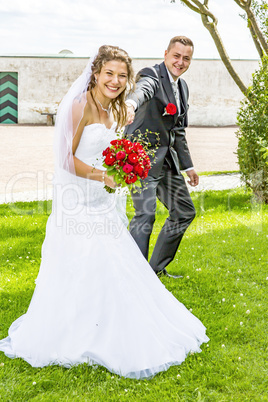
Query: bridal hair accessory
x=170, y=110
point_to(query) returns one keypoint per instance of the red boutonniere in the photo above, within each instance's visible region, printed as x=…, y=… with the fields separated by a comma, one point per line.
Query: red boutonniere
x=170, y=109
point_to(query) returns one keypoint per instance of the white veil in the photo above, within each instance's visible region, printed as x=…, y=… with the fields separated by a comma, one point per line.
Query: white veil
x=69, y=188
x=64, y=127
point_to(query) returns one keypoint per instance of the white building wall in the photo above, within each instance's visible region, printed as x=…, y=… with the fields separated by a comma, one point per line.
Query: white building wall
x=43, y=81
x=214, y=96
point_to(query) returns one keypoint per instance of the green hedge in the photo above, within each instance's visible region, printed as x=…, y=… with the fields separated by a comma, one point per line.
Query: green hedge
x=252, y=135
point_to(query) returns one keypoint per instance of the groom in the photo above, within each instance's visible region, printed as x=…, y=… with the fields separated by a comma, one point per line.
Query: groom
x=157, y=87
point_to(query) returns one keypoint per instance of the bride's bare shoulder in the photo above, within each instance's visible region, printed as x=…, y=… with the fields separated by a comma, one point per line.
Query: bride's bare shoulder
x=90, y=110
x=83, y=108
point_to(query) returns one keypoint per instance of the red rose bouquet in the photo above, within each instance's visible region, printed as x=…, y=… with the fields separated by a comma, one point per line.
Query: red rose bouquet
x=127, y=161
x=170, y=109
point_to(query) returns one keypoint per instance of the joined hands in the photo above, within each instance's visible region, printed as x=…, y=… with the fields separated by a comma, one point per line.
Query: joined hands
x=130, y=114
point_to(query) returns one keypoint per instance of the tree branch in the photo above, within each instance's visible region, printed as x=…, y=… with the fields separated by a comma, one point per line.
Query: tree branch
x=204, y=9
x=223, y=54
x=256, y=33
x=257, y=30
x=243, y=3
x=211, y=26
x=256, y=42
x=191, y=6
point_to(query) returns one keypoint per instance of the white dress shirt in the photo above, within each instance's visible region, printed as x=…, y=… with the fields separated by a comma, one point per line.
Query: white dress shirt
x=174, y=84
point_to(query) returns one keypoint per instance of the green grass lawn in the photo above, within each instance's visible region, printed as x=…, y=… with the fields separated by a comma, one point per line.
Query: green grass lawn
x=223, y=258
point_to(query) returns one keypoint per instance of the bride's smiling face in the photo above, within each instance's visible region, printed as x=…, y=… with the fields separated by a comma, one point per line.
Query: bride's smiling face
x=112, y=79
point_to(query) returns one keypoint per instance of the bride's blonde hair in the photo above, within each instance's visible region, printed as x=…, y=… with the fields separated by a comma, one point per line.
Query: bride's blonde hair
x=109, y=53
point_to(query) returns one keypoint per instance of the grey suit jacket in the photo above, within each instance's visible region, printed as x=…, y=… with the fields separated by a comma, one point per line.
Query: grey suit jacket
x=152, y=94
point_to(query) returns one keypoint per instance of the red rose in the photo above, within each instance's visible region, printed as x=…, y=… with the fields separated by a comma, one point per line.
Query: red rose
x=128, y=149
x=144, y=174
x=127, y=168
x=120, y=155
x=127, y=143
x=141, y=153
x=146, y=162
x=132, y=158
x=131, y=178
x=138, y=147
x=110, y=159
x=170, y=109
x=106, y=151
x=138, y=169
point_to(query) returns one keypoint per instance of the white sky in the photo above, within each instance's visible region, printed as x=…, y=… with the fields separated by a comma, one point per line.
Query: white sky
x=142, y=27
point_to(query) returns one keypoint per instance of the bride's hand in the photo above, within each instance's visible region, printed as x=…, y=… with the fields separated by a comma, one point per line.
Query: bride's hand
x=109, y=181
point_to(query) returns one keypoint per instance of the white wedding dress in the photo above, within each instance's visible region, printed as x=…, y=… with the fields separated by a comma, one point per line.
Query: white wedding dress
x=97, y=300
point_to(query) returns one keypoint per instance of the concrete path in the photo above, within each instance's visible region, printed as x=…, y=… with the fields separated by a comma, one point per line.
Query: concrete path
x=26, y=163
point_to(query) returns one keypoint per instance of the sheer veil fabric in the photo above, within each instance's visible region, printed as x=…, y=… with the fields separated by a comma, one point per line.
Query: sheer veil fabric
x=69, y=115
x=74, y=101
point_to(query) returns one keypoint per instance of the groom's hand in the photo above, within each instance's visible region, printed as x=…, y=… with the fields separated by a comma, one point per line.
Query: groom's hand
x=193, y=176
x=130, y=114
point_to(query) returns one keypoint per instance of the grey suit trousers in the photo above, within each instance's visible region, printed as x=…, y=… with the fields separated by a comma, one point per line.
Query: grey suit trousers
x=170, y=188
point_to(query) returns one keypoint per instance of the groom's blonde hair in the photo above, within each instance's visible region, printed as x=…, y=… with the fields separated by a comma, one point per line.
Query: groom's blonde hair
x=182, y=39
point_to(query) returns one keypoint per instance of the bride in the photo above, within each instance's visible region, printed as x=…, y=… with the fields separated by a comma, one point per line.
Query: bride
x=97, y=300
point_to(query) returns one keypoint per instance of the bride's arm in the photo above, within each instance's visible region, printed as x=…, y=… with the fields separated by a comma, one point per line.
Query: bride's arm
x=89, y=172
x=81, y=168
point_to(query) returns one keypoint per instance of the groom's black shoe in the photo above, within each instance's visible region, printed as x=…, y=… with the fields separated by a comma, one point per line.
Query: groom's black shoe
x=165, y=273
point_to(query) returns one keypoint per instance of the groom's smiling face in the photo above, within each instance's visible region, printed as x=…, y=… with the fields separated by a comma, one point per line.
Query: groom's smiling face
x=178, y=59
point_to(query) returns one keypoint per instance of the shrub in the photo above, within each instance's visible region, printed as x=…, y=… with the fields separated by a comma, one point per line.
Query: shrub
x=252, y=134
